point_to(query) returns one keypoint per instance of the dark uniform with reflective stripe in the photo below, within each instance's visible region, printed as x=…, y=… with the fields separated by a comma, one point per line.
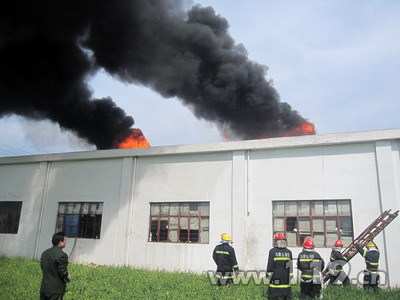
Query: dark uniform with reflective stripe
x=280, y=273
x=225, y=258
x=371, y=273
x=310, y=264
x=336, y=268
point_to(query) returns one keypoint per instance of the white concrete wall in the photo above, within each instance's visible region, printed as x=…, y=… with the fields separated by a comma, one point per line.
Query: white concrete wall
x=182, y=178
x=388, y=168
x=239, y=179
x=23, y=182
x=88, y=181
x=311, y=173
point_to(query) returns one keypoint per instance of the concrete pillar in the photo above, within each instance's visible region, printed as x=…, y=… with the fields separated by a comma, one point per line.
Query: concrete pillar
x=238, y=218
x=387, y=162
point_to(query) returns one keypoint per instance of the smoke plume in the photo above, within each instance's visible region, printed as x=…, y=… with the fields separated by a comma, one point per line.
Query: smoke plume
x=50, y=48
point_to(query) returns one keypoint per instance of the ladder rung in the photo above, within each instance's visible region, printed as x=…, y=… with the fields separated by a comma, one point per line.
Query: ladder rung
x=367, y=235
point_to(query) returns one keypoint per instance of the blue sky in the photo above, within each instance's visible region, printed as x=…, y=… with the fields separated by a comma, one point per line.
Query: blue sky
x=336, y=62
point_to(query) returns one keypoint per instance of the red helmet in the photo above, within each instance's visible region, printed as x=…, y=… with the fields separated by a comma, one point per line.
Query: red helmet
x=339, y=243
x=279, y=236
x=308, y=243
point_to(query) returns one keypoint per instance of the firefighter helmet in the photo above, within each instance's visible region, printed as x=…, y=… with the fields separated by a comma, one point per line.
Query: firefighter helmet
x=226, y=237
x=279, y=236
x=370, y=244
x=339, y=243
x=308, y=243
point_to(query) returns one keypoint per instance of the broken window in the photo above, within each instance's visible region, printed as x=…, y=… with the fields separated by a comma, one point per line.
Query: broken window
x=346, y=229
x=186, y=222
x=204, y=228
x=80, y=219
x=153, y=229
x=304, y=228
x=331, y=230
x=10, y=213
x=325, y=220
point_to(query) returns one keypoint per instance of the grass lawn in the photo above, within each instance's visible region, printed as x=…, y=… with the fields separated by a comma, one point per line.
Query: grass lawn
x=20, y=279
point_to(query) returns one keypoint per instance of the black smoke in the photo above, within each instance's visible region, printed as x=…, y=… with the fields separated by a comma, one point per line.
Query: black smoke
x=50, y=48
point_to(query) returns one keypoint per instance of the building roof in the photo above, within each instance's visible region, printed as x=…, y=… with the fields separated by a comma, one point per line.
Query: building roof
x=272, y=143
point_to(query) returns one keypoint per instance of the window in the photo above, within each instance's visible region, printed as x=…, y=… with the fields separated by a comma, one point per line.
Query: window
x=80, y=219
x=325, y=220
x=10, y=213
x=179, y=222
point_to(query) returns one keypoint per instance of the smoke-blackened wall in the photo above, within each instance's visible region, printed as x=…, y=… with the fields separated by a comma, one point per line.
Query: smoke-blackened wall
x=49, y=49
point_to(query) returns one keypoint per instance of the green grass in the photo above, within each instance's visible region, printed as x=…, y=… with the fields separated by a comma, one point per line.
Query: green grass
x=20, y=279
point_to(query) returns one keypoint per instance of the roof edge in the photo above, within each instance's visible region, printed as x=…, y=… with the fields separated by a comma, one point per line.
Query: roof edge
x=272, y=143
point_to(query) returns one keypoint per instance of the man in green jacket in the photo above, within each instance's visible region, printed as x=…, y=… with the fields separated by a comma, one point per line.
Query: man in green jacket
x=54, y=263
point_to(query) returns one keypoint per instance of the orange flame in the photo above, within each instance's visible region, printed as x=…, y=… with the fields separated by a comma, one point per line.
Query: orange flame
x=135, y=140
x=226, y=137
x=304, y=129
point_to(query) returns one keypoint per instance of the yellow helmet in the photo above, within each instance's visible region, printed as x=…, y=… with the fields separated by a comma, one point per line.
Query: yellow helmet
x=370, y=244
x=226, y=237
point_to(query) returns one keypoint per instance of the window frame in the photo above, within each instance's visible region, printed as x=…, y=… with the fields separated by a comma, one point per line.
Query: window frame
x=167, y=217
x=312, y=216
x=82, y=226
x=12, y=216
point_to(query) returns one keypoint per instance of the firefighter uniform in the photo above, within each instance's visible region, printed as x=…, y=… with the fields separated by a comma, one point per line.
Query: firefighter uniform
x=310, y=264
x=225, y=258
x=280, y=273
x=371, y=272
x=337, y=261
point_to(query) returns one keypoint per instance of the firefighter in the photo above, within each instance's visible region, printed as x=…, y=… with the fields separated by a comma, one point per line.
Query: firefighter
x=225, y=258
x=279, y=269
x=310, y=264
x=371, y=273
x=337, y=261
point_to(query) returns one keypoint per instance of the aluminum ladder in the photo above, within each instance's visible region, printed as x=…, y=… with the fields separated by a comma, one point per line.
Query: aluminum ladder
x=367, y=235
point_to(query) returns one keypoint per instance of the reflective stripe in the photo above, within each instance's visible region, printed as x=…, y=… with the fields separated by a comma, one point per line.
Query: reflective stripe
x=364, y=253
x=235, y=266
x=371, y=263
x=309, y=259
x=309, y=276
x=343, y=257
x=280, y=286
x=281, y=258
x=370, y=271
x=222, y=252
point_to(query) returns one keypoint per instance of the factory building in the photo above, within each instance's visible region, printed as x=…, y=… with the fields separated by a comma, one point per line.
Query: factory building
x=166, y=207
